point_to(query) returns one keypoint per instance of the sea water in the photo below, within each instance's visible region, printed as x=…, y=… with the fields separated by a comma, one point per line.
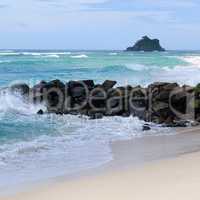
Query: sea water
x=35, y=147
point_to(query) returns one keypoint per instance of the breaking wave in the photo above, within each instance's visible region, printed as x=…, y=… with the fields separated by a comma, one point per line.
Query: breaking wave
x=194, y=60
x=14, y=103
x=79, y=56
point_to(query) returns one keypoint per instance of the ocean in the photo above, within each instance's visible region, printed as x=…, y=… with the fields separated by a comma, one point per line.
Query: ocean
x=33, y=148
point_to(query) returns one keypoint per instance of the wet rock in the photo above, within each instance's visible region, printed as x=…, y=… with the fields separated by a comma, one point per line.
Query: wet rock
x=96, y=116
x=54, y=96
x=138, y=102
x=108, y=84
x=40, y=112
x=161, y=102
x=20, y=88
x=37, y=92
x=146, y=127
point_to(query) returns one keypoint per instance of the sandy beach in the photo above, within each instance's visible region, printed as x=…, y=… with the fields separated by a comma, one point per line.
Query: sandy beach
x=169, y=178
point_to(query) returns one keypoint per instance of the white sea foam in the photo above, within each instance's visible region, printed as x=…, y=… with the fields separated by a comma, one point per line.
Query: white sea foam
x=12, y=53
x=138, y=67
x=9, y=53
x=15, y=103
x=113, y=53
x=5, y=61
x=31, y=54
x=79, y=56
x=72, y=144
x=181, y=74
x=52, y=56
x=194, y=60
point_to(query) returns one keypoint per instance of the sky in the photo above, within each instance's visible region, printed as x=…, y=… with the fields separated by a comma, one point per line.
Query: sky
x=98, y=24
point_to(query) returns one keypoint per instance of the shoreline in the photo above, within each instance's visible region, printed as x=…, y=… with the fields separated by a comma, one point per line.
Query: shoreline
x=159, y=151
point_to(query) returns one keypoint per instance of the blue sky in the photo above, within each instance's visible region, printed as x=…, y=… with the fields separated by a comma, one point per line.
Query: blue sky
x=98, y=24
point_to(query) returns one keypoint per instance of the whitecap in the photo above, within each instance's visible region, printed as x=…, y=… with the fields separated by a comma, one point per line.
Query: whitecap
x=5, y=61
x=79, y=56
x=31, y=54
x=137, y=67
x=52, y=56
x=194, y=60
x=15, y=103
x=113, y=54
x=9, y=54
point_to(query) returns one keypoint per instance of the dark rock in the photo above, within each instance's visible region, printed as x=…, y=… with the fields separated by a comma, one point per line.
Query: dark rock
x=40, y=112
x=138, y=104
x=20, y=88
x=97, y=99
x=55, y=84
x=146, y=127
x=77, y=89
x=161, y=102
x=96, y=116
x=146, y=44
x=54, y=96
x=37, y=92
x=89, y=84
x=38, y=88
x=176, y=124
x=108, y=84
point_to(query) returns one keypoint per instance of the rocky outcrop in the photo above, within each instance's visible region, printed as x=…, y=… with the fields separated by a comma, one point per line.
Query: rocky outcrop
x=164, y=103
x=20, y=88
x=146, y=44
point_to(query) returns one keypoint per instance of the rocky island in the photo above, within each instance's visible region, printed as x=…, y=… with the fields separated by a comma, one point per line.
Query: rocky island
x=146, y=44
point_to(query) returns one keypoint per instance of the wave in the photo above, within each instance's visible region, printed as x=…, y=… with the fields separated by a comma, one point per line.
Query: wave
x=139, y=67
x=79, y=56
x=9, y=53
x=73, y=133
x=5, y=61
x=125, y=68
x=113, y=54
x=12, y=53
x=14, y=103
x=52, y=56
x=194, y=60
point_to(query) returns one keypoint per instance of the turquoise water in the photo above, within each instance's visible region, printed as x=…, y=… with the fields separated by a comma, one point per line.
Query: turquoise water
x=36, y=147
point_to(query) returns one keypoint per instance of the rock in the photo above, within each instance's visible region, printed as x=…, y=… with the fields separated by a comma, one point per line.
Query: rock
x=40, y=112
x=96, y=116
x=146, y=44
x=180, y=123
x=37, y=92
x=161, y=102
x=117, y=102
x=20, y=88
x=146, y=127
x=55, y=84
x=97, y=99
x=138, y=104
x=108, y=84
x=38, y=88
x=89, y=84
x=80, y=88
x=54, y=96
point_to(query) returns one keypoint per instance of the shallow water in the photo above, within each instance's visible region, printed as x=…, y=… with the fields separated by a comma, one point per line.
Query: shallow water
x=35, y=147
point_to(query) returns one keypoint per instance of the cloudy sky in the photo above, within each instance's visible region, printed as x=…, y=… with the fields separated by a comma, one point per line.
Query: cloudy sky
x=98, y=24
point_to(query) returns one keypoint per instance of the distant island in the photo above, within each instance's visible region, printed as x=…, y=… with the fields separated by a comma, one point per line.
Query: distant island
x=146, y=44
